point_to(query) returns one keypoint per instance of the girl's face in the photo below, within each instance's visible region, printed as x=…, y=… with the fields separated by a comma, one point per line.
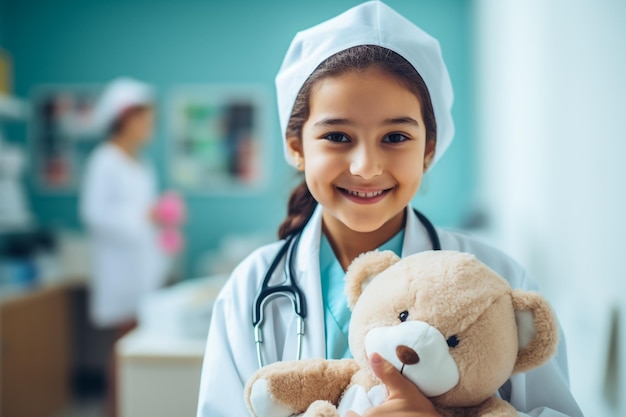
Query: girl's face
x=363, y=148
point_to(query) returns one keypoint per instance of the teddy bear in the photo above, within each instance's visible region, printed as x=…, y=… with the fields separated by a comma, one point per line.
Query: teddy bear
x=169, y=212
x=445, y=320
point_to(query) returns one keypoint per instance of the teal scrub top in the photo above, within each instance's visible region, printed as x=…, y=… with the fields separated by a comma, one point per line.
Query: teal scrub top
x=336, y=311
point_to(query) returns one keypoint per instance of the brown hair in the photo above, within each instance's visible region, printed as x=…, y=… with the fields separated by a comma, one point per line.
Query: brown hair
x=359, y=58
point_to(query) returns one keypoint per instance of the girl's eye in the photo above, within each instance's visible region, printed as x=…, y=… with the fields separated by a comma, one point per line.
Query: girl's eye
x=453, y=341
x=395, y=138
x=337, y=137
x=403, y=316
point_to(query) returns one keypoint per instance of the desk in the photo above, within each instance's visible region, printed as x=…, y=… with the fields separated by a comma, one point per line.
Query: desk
x=35, y=347
x=159, y=376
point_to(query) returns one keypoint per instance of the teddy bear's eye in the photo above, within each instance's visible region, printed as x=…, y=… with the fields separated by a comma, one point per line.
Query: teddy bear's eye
x=453, y=341
x=403, y=316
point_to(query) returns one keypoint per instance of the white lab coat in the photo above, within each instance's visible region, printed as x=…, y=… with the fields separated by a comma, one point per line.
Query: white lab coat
x=126, y=260
x=230, y=357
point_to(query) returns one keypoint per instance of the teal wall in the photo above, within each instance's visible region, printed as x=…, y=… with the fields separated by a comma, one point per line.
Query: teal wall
x=2, y=24
x=168, y=43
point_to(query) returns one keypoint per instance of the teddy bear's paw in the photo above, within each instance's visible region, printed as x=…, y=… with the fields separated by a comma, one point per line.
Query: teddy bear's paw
x=264, y=404
x=321, y=408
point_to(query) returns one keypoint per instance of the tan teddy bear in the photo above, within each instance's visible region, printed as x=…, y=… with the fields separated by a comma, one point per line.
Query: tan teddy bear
x=445, y=320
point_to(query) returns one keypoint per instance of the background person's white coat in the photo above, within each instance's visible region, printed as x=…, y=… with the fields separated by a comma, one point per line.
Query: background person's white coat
x=117, y=197
x=230, y=357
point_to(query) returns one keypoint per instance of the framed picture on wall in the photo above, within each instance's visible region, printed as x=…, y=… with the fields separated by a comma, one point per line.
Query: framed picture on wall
x=61, y=137
x=218, y=138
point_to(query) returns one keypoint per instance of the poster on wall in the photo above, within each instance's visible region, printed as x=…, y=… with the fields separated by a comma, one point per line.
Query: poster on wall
x=218, y=136
x=61, y=137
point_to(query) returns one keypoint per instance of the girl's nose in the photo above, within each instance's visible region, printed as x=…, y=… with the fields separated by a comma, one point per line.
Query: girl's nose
x=366, y=163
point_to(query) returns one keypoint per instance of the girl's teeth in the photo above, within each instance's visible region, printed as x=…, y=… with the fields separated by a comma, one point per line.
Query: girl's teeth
x=364, y=195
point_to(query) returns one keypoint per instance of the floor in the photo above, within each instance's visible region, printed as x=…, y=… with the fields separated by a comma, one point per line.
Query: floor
x=84, y=408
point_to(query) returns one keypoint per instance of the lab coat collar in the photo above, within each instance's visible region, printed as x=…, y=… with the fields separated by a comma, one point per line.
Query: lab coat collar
x=308, y=276
x=416, y=237
x=310, y=240
x=416, y=240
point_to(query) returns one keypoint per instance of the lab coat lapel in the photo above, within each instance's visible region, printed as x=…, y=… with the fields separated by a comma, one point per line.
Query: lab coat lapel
x=415, y=235
x=308, y=278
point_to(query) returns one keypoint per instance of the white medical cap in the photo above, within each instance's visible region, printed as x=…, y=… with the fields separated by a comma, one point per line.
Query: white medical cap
x=118, y=96
x=371, y=23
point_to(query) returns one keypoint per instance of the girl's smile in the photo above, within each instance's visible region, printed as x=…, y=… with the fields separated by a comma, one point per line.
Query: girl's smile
x=365, y=195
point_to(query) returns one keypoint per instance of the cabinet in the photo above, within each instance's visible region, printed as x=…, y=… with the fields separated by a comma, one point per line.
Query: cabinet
x=14, y=211
x=35, y=353
x=158, y=376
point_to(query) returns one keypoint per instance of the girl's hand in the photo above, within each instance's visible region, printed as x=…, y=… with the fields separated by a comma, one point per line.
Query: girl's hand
x=405, y=399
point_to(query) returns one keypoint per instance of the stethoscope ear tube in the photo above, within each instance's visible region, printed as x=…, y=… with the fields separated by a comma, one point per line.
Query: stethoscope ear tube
x=300, y=304
x=257, y=312
x=289, y=289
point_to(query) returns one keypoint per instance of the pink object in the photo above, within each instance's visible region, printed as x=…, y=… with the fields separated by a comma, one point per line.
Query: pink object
x=170, y=209
x=171, y=240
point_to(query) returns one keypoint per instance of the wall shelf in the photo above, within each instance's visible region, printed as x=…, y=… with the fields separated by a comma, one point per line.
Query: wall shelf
x=12, y=107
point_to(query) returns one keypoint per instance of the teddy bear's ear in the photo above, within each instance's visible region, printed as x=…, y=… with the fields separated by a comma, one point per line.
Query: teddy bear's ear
x=537, y=330
x=365, y=267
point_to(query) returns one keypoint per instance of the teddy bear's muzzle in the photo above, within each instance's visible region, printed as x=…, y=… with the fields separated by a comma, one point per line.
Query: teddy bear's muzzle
x=419, y=351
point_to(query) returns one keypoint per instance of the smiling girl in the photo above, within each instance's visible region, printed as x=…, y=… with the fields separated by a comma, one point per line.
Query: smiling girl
x=364, y=102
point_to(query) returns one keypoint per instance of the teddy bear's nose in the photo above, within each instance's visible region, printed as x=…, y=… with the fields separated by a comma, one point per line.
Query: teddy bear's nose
x=407, y=355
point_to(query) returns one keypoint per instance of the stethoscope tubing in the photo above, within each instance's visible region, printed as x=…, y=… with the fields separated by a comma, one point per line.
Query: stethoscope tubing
x=289, y=287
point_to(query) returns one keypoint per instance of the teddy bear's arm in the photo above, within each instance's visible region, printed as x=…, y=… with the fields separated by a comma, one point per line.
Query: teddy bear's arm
x=286, y=388
x=492, y=407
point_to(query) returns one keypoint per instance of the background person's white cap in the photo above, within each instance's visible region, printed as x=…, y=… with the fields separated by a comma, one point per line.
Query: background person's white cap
x=119, y=95
x=371, y=23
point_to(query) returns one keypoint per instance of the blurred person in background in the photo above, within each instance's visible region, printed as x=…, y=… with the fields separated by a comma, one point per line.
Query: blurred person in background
x=119, y=208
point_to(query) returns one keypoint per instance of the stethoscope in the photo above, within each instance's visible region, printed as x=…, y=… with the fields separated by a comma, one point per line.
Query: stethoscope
x=289, y=287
